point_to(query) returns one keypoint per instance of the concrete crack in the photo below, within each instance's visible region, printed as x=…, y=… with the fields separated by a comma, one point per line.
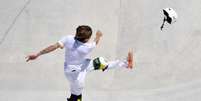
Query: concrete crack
x=13, y=22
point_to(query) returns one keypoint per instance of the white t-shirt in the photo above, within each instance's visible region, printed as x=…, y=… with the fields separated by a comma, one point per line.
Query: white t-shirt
x=76, y=52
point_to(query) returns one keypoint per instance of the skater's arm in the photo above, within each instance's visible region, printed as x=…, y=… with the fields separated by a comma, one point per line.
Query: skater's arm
x=87, y=48
x=50, y=49
x=99, y=34
x=44, y=51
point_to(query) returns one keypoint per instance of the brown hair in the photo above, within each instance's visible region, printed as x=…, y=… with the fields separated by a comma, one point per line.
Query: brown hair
x=83, y=33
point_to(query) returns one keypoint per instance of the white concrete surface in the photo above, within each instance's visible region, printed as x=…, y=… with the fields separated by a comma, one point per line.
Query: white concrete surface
x=167, y=62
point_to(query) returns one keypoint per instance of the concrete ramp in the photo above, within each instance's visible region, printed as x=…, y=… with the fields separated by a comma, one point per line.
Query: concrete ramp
x=167, y=62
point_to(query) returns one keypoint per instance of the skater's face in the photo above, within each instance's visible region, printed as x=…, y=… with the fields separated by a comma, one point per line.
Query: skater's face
x=83, y=33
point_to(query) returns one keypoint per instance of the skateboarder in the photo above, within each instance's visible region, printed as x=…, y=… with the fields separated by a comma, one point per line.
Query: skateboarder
x=77, y=64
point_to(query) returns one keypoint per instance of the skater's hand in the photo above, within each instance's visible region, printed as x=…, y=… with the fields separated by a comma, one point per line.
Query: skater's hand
x=31, y=57
x=99, y=34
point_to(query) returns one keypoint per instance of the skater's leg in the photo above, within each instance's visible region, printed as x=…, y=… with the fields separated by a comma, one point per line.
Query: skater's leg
x=126, y=63
x=109, y=65
x=76, y=81
x=101, y=64
x=117, y=64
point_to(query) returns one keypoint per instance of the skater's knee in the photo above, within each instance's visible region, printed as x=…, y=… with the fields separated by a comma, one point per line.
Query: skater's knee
x=100, y=64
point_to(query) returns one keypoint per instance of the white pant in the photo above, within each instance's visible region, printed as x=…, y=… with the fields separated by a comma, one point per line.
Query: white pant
x=77, y=77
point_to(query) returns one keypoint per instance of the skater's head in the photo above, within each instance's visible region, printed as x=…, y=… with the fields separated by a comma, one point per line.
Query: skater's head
x=83, y=33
